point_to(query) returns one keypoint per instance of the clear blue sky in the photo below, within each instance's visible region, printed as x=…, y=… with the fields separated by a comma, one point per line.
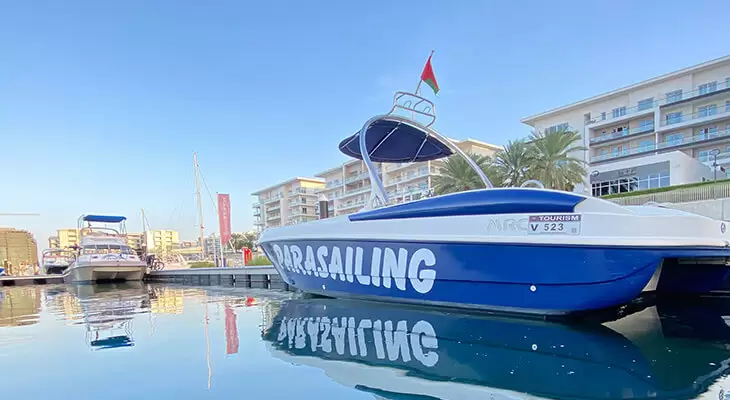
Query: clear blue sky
x=102, y=103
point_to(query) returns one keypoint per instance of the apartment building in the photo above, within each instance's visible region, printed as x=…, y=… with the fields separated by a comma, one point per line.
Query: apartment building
x=162, y=239
x=53, y=242
x=135, y=240
x=347, y=186
x=67, y=237
x=668, y=130
x=18, y=250
x=287, y=203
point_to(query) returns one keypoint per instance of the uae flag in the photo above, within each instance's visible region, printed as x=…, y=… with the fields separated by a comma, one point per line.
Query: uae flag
x=428, y=76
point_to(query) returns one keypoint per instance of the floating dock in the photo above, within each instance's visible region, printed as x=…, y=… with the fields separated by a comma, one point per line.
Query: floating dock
x=30, y=280
x=263, y=277
x=260, y=277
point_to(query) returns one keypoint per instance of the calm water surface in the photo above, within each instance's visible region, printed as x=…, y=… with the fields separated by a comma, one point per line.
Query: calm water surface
x=154, y=341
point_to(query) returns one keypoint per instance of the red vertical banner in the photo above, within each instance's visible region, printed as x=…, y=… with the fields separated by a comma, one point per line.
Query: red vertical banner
x=224, y=217
x=231, y=331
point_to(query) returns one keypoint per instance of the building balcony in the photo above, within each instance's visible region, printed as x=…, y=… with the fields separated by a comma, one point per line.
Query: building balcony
x=257, y=213
x=707, y=116
x=623, y=134
x=351, y=204
x=408, y=178
x=357, y=177
x=298, y=202
x=272, y=199
x=352, y=192
x=273, y=217
x=621, y=114
x=623, y=153
x=256, y=205
x=274, y=208
x=701, y=138
x=697, y=94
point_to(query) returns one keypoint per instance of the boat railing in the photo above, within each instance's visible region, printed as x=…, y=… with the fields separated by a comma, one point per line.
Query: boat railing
x=94, y=230
x=415, y=105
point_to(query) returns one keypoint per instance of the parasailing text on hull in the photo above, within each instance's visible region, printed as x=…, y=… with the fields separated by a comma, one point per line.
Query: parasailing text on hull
x=378, y=266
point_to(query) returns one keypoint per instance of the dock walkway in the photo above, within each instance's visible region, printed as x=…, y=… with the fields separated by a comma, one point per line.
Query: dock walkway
x=30, y=280
x=262, y=277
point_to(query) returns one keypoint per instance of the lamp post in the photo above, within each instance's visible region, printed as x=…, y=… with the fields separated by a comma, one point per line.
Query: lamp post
x=714, y=154
x=594, y=174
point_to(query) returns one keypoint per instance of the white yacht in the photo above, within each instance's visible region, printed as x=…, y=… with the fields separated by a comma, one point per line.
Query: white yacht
x=103, y=254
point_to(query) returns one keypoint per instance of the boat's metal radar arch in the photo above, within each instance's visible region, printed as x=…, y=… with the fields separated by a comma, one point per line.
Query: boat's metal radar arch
x=533, y=182
x=417, y=107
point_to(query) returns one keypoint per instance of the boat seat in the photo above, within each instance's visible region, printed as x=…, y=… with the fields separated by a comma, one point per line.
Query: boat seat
x=479, y=202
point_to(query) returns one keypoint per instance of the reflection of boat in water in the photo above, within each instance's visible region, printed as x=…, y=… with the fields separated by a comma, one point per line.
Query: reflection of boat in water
x=55, y=261
x=526, y=250
x=104, y=254
x=108, y=312
x=397, y=352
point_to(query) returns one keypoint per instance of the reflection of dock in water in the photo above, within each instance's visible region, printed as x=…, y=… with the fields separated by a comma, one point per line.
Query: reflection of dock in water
x=662, y=352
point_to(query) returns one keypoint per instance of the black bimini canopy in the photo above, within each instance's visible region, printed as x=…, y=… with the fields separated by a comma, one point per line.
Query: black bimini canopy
x=390, y=141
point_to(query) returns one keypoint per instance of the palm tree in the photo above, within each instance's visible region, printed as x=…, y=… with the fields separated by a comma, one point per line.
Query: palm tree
x=457, y=175
x=553, y=159
x=241, y=240
x=513, y=163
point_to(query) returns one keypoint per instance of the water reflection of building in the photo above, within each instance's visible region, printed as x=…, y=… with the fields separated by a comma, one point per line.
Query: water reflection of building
x=166, y=300
x=20, y=306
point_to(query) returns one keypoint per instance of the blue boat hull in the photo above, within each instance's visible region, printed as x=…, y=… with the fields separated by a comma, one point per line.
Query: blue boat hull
x=537, y=279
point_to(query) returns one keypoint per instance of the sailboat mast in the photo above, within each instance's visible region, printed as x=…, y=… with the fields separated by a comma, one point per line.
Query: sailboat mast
x=200, y=204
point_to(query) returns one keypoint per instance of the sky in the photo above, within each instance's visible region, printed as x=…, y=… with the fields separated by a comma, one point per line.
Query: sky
x=102, y=103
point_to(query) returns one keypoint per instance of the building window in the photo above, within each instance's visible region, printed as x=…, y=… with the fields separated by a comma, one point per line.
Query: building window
x=645, y=104
x=674, y=96
x=707, y=155
x=727, y=106
x=707, y=110
x=646, y=125
x=674, y=118
x=618, y=112
x=646, y=145
x=564, y=127
x=705, y=133
x=675, y=139
x=630, y=184
x=706, y=88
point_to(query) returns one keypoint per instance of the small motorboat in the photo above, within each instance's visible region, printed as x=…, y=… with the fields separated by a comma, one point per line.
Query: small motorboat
x=518, y=249
x=103, y=254
x=55, y=261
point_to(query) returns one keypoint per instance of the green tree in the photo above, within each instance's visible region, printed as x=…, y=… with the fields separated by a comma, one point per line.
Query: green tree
x=553, y=160
x=241, y=240
x=513, y=163
x=457, y=175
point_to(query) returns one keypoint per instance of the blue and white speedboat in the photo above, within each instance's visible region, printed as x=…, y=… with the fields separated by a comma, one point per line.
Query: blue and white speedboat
x=525, y=250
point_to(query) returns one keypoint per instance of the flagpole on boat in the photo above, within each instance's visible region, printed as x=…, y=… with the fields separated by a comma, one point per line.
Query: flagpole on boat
x=418, y=88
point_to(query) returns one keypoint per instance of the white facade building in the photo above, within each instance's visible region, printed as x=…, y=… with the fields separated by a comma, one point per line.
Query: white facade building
x=347, y=187
x=669, y=130
x=287, y=203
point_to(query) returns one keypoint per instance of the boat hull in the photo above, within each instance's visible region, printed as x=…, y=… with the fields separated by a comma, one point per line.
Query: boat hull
x=535, y=279
x=94, y=273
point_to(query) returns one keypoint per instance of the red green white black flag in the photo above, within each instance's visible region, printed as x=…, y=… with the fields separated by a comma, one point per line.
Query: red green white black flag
x=428, y=76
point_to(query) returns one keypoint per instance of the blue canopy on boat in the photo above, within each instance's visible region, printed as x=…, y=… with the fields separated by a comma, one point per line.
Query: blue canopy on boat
x=392, y=141
x=113, y=342
x=104, y=218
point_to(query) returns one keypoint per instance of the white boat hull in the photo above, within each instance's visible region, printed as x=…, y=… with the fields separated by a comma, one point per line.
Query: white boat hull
x=112, y=272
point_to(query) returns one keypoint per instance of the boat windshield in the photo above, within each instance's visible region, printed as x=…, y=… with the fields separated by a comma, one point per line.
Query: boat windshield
x=108, y=249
